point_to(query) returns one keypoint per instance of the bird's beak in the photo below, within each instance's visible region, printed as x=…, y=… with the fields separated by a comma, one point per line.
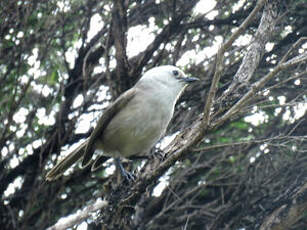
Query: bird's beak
x=189, y=79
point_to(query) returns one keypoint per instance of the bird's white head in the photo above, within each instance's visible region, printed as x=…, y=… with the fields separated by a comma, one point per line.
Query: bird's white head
x=168, y=77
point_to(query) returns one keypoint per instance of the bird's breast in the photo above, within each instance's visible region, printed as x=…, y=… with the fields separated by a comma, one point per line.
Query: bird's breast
x=136, y=128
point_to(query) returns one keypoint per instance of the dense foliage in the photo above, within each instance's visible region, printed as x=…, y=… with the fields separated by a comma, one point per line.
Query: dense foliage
x=239, y=160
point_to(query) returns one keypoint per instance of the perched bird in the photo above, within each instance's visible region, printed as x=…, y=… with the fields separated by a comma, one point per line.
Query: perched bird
x=134, y=122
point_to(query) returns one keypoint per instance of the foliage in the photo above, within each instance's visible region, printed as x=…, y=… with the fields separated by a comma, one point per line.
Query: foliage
x=59, y=70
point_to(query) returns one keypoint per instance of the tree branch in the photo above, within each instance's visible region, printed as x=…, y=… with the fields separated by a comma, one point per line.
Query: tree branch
x=79, y=216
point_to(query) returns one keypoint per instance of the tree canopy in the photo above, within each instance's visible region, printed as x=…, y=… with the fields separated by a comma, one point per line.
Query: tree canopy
x=234, y=156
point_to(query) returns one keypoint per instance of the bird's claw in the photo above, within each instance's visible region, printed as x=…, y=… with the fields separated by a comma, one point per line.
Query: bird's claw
x=129, y=177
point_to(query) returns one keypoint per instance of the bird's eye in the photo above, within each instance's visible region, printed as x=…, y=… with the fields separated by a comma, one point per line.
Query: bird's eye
x=175, y=72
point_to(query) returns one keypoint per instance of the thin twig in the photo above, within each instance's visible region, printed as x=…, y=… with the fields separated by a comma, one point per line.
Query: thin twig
x=206, y=148
x=294, y=46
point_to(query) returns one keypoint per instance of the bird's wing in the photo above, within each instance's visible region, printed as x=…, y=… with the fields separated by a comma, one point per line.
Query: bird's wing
x=103, y=122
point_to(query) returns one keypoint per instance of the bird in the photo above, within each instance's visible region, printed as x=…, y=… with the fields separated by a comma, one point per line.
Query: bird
x=133, y=123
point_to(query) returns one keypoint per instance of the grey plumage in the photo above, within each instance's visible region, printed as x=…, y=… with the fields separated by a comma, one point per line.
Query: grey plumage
x=135, y=121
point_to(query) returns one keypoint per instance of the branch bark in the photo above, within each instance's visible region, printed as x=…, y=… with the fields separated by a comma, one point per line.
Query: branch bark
x=79, y=216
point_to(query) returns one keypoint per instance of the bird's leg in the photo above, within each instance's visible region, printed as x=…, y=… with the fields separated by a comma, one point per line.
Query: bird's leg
x=127, y=175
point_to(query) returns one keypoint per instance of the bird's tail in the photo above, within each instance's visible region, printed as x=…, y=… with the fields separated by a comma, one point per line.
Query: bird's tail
x=65, y=163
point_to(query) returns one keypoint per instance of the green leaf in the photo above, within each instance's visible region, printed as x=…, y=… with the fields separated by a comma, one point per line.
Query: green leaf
x=54, y=77
x=239, y=125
